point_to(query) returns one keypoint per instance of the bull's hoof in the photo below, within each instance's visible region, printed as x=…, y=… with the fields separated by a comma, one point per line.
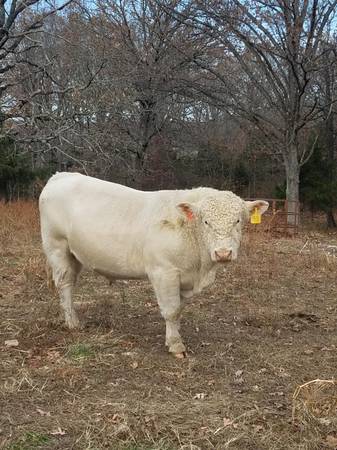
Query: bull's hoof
x=181, y=355
x=178, y=348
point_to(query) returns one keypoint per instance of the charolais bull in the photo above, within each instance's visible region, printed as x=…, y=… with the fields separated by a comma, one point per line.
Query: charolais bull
x=175, y=238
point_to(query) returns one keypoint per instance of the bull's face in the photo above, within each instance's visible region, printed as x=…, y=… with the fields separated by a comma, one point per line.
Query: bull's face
x=219, y=221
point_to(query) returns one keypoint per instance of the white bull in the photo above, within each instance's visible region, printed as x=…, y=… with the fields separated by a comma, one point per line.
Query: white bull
x=174, y=238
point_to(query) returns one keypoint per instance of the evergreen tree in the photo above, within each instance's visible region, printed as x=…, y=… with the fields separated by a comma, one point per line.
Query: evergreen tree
x=318, y=183
x=15, y=170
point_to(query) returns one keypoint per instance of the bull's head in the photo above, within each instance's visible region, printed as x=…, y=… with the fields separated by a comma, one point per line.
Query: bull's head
x=219, y=220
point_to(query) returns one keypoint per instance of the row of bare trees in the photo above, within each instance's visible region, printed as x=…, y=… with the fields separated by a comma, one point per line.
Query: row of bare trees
x=286, y=53
x=142, y=91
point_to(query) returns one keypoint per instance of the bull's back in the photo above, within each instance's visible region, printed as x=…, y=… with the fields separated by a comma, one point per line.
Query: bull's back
x=103, y=223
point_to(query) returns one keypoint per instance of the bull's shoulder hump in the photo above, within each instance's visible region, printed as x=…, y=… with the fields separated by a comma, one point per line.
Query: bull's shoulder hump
x=195, y=194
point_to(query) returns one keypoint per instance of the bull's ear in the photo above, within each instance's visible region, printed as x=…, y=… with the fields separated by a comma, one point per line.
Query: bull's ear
x=260, y=205
x=188, y=210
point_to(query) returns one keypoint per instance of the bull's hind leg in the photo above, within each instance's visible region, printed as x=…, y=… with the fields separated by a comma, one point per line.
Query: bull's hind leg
x=49, y=274
x=65, y=268
x=167, y=288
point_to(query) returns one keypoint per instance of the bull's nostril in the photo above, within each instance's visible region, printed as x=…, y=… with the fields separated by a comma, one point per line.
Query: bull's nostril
x=228, y=255
x=223, y=255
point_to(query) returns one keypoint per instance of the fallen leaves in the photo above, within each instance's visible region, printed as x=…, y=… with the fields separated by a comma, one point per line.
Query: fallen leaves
x=324, y=421
x=331, y=441
x=227, y=422
x=238, y=378
x=58, y=432
x=200, y=396
x=127, y=343
x=11, y=343
x=308, y=352
x=43, y=413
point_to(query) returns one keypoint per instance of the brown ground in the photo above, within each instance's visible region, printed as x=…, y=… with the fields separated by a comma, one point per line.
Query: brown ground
x=267, y=326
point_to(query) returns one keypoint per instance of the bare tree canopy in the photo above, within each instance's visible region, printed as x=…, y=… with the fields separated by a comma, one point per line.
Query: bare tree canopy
x=20, y=33
x=236, y=94
x=280, y=47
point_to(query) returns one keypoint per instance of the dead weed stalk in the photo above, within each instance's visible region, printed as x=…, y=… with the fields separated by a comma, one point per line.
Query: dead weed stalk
x=315, y=400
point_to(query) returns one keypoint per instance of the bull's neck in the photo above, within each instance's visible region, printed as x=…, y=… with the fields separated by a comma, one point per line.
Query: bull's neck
x=200, y=249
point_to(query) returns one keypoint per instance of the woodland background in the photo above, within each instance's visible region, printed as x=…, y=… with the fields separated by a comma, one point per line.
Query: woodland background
x=161, y=94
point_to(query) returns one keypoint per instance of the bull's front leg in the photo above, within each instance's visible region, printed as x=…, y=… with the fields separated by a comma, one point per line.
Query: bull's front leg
x=166, y=285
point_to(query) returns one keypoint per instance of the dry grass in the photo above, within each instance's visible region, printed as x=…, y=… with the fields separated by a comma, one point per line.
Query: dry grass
x=19, y=222
x=267, y=326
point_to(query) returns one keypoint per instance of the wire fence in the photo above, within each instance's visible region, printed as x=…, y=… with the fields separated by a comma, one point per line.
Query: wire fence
x=282, y=216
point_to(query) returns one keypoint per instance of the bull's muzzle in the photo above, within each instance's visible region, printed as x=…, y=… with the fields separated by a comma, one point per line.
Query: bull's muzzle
x=223, y=255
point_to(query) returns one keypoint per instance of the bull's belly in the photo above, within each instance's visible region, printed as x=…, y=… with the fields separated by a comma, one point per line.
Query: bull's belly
x=110, y=261
x=136, y=275
x=112, y=269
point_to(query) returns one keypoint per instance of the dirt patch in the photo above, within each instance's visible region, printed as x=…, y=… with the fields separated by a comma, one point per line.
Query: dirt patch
x=267, y=326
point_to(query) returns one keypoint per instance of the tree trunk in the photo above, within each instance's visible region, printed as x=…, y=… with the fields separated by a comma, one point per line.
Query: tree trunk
x=146, y=124
x=330, y=219
x=329, y=139
x=293, y=181
x=137, y=171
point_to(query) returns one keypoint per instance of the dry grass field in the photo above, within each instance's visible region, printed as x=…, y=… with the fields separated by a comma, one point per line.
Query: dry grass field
x=266, y=327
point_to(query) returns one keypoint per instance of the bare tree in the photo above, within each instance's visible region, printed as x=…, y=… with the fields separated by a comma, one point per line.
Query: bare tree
x=21, y=25
x=327, y=87
x=277, y=46
x=150, y=56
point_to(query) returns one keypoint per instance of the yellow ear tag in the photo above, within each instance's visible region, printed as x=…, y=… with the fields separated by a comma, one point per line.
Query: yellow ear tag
x=255, y=218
